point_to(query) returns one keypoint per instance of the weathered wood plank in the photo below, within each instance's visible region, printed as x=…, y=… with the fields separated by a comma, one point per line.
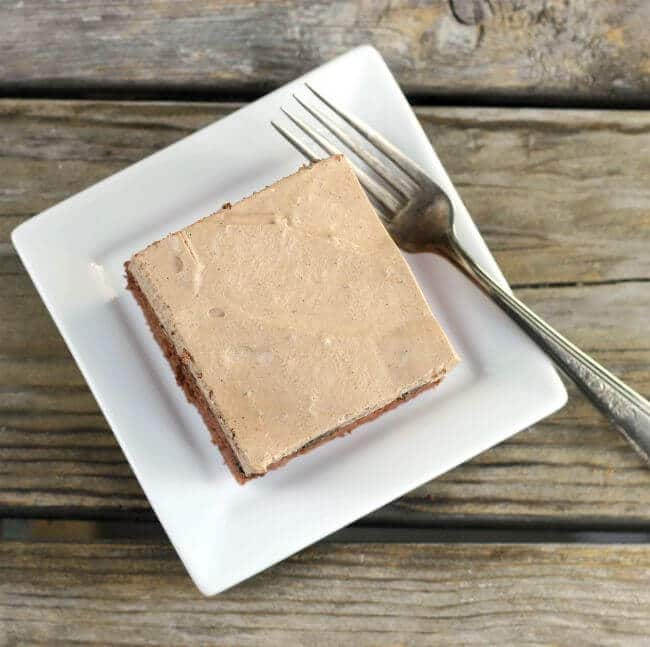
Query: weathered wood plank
x=561, y=196
x=361, y=594
x=542, y=49
x=558, y=195
x=57, y=454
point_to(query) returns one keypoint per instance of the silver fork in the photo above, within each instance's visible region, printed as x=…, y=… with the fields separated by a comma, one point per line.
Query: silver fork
x=419, y=216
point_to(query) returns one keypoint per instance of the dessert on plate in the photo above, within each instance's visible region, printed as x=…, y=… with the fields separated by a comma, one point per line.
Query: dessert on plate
x=290, y=317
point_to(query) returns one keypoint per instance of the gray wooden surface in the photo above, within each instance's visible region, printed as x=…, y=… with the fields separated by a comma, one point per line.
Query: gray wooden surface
x=333, y=594
x=483, y=50
x=563, y=200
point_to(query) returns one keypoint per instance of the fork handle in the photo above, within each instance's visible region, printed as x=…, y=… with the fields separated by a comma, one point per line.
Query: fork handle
x=627, y=409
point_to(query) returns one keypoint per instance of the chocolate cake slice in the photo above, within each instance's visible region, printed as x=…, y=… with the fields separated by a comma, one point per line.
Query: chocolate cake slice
x=290, y=317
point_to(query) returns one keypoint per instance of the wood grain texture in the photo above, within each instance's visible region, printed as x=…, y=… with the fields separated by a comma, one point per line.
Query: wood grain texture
x=483, y=49
x=333, y=594
x=560, y=195
x=563, y=200
x=58, y=455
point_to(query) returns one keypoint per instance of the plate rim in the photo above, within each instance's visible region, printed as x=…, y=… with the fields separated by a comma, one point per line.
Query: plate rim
x=22, y=236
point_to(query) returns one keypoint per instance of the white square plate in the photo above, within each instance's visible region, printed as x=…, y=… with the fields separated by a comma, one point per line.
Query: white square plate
x=222, y=531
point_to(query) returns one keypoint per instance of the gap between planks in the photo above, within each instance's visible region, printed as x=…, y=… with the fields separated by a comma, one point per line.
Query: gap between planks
x=80, y=530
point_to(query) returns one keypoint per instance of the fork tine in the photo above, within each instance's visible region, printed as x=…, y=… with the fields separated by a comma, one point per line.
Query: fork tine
x=392, y=177
x=317, y=137
x=385, y=214
x=296, y=143
x=376, y=191
x=381, y=143
x=380, y=194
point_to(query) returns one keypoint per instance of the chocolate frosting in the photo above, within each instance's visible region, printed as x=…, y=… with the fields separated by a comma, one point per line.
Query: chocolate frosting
x=296, y=312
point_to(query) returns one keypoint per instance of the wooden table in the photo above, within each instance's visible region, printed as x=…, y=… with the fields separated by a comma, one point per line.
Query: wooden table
x=543, y=539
